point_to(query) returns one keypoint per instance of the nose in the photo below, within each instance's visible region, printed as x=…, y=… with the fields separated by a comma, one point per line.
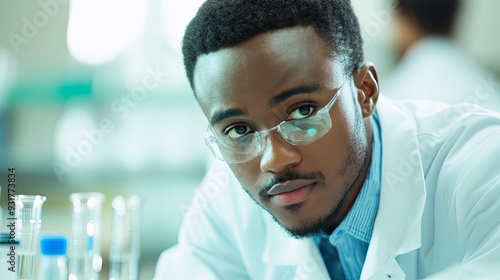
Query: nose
x=277, y=154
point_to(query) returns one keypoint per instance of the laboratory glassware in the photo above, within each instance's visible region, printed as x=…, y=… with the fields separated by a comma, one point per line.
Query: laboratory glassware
x=85, y=261
x=28, y=215
x=124, y=254
x=53, y=262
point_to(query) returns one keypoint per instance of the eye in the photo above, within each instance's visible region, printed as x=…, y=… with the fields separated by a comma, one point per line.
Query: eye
x=238, y=131
x=301, y=112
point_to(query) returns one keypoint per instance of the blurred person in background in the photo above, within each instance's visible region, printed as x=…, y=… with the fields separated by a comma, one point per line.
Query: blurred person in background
x=7, y=75
x=432, y=65
x=319, y=176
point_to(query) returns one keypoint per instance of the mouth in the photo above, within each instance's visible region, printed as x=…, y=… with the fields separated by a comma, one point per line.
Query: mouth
x=291, y=192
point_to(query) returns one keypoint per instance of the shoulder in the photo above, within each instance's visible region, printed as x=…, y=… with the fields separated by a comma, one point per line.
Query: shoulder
x=446, y=139
x=460, y=151
x=221, y=200
x=438, y=121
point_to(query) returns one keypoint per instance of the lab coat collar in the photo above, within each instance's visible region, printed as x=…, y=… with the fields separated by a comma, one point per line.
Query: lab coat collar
x=397, y=227
x=283, y=250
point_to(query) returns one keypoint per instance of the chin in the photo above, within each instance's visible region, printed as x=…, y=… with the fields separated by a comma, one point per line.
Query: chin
x=303, y=228
x=303, y=231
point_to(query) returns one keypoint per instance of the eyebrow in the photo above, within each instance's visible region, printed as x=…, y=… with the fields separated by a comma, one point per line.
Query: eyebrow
x=225, y=114
x=307, y=89
x=219, y=116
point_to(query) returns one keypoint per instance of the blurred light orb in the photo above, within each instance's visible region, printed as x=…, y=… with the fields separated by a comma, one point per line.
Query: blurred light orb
x=98, y=30
x=176, y=17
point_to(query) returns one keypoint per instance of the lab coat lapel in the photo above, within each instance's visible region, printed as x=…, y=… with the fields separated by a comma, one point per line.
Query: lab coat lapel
x=284, y=251
x=397, y=227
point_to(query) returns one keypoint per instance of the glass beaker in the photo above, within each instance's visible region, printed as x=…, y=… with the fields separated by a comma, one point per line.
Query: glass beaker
x=28, y=214
x=85, y=261
x=124, y=254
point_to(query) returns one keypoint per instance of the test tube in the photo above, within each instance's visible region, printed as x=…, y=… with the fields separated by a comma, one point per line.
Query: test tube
x=124, y=254
x=85, y=261
x=28, y=214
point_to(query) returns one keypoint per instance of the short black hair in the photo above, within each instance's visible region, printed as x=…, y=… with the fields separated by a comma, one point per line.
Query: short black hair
x=227, y=23
x=433, y=16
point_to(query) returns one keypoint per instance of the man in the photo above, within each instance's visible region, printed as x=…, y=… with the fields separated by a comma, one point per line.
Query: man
x=318, y=183
x=432, y=65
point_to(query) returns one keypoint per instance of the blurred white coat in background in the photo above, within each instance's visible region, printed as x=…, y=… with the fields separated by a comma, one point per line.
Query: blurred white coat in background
x=436, y=68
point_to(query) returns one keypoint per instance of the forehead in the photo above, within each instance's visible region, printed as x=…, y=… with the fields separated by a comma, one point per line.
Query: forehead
x=263, y=66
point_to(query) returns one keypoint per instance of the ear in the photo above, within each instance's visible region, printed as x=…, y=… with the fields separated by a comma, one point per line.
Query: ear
x=366, y=80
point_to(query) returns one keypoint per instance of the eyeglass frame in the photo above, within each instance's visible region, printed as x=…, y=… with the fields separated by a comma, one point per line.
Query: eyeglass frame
x=212, y=139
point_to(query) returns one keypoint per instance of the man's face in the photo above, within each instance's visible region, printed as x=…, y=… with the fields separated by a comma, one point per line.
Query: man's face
x=283, y=75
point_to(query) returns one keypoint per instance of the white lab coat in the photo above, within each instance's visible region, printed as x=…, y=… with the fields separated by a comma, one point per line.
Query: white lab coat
x=435, y=68
x=439, y=211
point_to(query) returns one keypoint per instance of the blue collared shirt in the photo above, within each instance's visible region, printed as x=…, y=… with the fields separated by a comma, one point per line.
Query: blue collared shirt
x=352, y=237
